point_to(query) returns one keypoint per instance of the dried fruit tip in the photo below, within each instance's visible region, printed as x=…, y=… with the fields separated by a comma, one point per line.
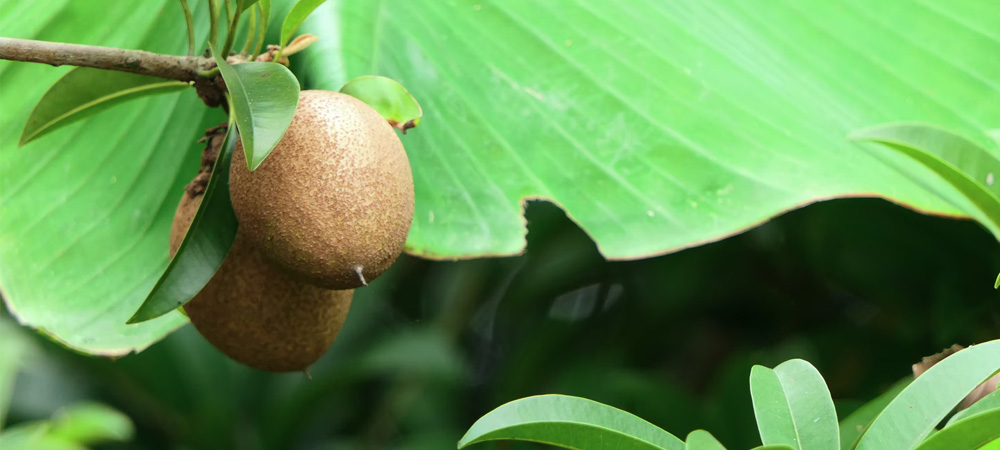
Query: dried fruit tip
x=357, y=270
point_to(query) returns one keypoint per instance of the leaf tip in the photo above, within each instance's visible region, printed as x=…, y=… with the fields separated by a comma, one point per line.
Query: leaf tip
x=136, y=318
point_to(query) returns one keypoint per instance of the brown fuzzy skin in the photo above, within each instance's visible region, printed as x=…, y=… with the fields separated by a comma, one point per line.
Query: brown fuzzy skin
x=334, y=196
x=257, y=315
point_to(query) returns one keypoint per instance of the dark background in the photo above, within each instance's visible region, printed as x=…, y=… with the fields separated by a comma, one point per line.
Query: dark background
x=861, y=288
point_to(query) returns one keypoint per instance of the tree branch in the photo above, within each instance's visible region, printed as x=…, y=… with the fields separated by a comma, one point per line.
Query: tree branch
x=183, y=68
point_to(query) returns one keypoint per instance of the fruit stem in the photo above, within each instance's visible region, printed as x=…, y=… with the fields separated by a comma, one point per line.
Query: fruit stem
x=183, y=68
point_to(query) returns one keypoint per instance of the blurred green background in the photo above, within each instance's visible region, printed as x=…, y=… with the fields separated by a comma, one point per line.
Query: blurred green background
x=861, y=288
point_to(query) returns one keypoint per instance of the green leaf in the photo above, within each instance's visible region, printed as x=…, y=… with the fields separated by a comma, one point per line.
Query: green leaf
x=91, y=423
x=996, y=284
x=968, y=434
x=990, y=402
x=388, y=97
x=296, y=16
x=658, y=125
x=569, y=422
x=86, y=211
x=34, y=436
x=968, y=157
x=247, y=4
x=911, y=416
x=72, y=428
x=84, y=92
x=264, y=96
x=204, y=248
x=971, y=169
x=702, y=440
x=793, y=407
x=854, y=425
x=772, y=447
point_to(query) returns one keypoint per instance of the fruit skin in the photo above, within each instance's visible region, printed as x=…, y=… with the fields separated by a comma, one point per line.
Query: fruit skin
x=254, y=313
x=334, y=197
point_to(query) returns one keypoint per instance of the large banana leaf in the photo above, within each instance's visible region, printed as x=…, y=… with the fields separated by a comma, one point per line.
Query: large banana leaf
x=656, y=125
x=660, y=124
x=85, y=211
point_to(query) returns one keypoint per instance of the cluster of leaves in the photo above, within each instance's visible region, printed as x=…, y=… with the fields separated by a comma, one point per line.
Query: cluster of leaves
x=643, y=122
x=794, y=411
x=262, y=98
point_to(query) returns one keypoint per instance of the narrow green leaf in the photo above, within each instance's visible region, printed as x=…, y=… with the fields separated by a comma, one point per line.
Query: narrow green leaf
x=854, y=425
x=388, y=97
x=990, y=402
x=264, y=96
x=793, y=407
x=911, y=416
x=996, y=284
x=84, y=92
x=977, y=162
x=204, y=247
x=772, y=447
x=569, y=422
x=91, y=423
x=702, y=440
x=969, y=434
x=971, y=169
x=295, y=16
x=247, y=4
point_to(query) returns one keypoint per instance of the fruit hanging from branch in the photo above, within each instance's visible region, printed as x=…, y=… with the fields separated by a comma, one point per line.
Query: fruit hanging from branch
x=333, y=202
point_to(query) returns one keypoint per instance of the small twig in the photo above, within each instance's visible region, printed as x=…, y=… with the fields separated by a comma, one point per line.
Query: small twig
x=251, y=32
x=183, y=68
x=190, y=26
x=233, y=27
x=229, y=13
x=213, y=26
x=263, y=32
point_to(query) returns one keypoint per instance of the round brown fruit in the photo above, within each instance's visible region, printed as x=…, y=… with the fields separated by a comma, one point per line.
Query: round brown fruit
x=255, y=313
x=333, y=202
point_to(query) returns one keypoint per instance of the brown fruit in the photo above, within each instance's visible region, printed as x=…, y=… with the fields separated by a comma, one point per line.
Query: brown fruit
x=257, y=315
x=333, y=202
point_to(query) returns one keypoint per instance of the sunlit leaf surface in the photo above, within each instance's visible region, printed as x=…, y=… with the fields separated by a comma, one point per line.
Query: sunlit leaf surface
x=659, y=125
x=86, y=210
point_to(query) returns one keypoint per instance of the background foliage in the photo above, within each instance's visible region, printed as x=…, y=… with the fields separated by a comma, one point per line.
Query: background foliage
x=671, y=339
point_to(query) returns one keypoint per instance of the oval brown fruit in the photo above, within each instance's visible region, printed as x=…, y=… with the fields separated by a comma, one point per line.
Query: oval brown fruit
x=333, y=202
x=255, y=313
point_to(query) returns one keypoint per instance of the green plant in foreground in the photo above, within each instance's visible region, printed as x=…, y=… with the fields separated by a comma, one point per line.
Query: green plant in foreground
x=793, y=408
